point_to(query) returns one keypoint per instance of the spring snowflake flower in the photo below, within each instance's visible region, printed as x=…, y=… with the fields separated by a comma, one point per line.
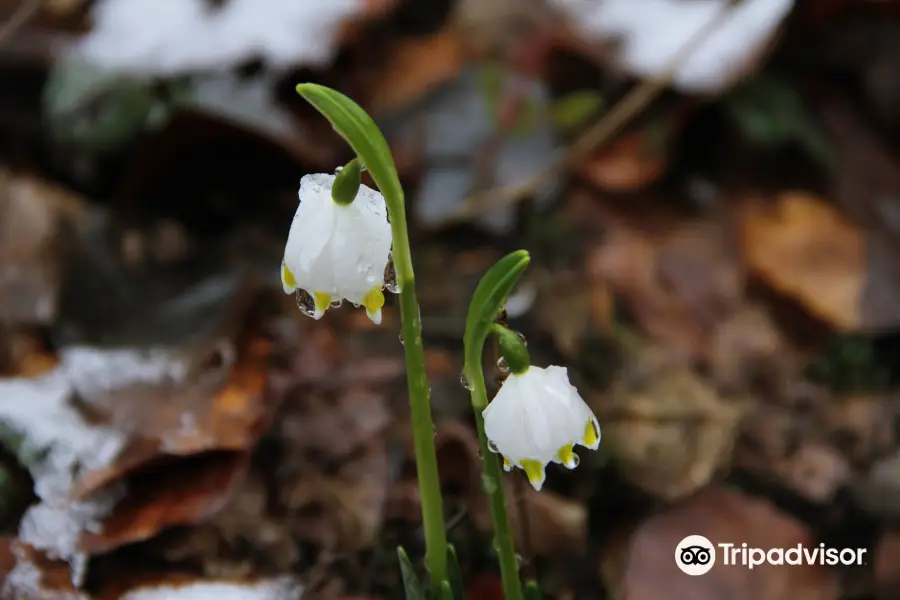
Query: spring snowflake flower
x=337, y=252
x=536, y=418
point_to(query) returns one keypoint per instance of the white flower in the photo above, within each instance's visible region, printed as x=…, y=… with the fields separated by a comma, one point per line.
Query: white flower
x=536, y=418
x=336, y=252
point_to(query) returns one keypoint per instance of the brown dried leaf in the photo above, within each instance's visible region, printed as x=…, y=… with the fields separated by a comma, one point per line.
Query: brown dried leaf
x=679, y=284
x=650, y=571
x=669, y=430
x=184, y=454
x=807, y=250
x=29, y=279
x=414, y=67
x=202, y=416
x=186, y=491
x=342, y=512
x=634, y=160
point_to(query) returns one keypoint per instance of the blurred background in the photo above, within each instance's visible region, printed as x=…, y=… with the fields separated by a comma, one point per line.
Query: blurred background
x=711, y=196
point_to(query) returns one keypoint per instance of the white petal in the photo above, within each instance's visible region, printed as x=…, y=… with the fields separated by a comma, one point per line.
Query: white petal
x=535, y=414
x=338, y=250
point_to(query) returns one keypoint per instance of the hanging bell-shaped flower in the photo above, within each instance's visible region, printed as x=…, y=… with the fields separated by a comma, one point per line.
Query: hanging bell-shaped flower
x=338, y=246
x=537, y=417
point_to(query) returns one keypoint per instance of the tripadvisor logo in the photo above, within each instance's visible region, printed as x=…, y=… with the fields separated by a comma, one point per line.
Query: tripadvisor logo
x=696, y=555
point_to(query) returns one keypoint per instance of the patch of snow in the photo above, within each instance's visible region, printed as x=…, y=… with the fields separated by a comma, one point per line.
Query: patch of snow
x=651, y=32
x=172, y=37
x=54, y=441
x=279, y=589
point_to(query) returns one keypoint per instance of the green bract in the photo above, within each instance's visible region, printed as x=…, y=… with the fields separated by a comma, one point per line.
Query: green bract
x=354, y=125
x=512, y=349
x=346, y=183
x=488, y=301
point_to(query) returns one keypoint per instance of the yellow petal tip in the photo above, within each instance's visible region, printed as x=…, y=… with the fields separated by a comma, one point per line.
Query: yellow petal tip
x=322, y=301
x=566, y=455
x=287, y=280
x=535, y=472
x=373, y=301
x=591, y=437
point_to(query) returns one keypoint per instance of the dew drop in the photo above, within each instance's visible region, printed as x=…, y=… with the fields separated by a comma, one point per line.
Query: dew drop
x=503, y=365
x=522, y=337
x=493, y=447
x=390, y=276
x=401, y=336
x=306, y=303
x=336, y=303
x=356, y=305
x=576, y=460
x=464, y=381
x=488, y=484
x=338, y=169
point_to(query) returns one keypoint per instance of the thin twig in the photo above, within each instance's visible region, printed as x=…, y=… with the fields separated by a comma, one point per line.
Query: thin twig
x=27, y=9
x=613, y=122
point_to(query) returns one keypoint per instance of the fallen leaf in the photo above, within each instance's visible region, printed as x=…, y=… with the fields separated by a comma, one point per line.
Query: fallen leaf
x=650, y=570
x=666, y=428
x=807, y=250
x=414, y=67
x=747, y=349
x=679, y=283
x=29, y=281
x=182, y=492
x=36, y=576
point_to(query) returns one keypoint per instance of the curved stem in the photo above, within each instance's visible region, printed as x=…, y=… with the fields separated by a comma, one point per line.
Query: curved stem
x=493, y=474
x=419, y=401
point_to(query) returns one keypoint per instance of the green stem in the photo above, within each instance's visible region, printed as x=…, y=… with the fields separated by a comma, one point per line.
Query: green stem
x=419, y=401
x=506, y=548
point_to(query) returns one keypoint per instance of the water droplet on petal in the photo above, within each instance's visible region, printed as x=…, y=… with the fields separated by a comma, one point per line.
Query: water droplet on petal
x=493, y=447
x=576, y=460
x=488, y=484
x=401, y=336
x=338, y=169
x=337, y=303
x=503, y=366
x=464, y=381
x=390, y=276
x=306, y=303
x=356, y=305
